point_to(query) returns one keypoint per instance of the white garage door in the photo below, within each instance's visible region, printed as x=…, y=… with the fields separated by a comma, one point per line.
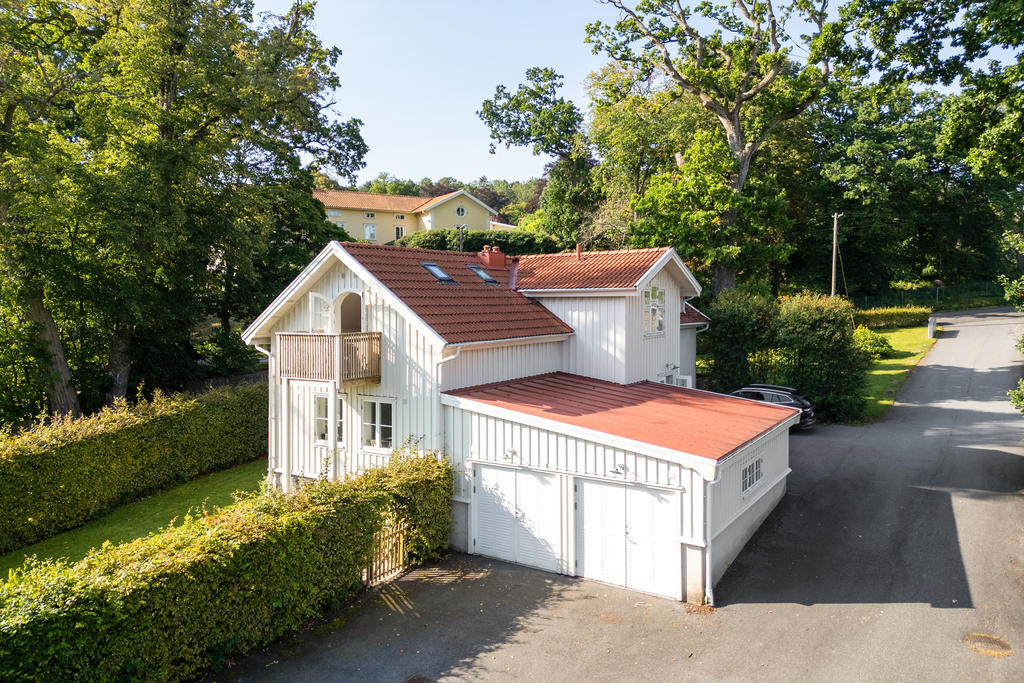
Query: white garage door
x=629, y=536
x=518, y=515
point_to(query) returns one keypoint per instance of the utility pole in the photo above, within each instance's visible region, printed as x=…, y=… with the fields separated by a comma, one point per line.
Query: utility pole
x=835, y=248
x=461, y=231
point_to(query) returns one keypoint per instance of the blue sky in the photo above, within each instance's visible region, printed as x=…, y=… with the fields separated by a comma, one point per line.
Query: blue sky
x=417, y=72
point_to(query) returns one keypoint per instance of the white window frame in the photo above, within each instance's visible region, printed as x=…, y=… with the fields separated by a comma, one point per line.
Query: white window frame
x=399, y=232
x=370, y=231
x=653, y=303
x=325, y=419
x=751, y=475
x=399, y=216
x=376, y=441
x=334, y=212
x=319, y=307
x=460, y=211
x=369, y=214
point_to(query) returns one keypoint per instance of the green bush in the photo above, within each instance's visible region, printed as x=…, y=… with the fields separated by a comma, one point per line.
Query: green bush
x=224, y=354
x=893, y=316
x=57, y=476
x=815, y=335
x=740, y=323
x=510, y=241
x=871, y=343
x=168, y=607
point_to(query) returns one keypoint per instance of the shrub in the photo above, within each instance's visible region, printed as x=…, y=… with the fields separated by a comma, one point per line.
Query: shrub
x=893, y=316
x=871, y=343
x=739, y=328
x=169, y=606
x=57, y=476
x=510, y=241
x=816, y=337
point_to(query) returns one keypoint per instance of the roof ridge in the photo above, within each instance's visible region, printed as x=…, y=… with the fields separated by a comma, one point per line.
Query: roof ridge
x=375, y=194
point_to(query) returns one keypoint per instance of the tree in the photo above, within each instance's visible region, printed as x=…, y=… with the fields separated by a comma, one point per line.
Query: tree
x=943, y=41
x=740, y=70
x=536, y=115
x=385, y=183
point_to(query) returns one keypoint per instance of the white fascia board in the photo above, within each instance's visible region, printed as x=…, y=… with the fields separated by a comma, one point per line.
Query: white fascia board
x=513, y=341
x=463, y=193
x=705, y=467
x=593, y=292
x=253, y=331
x=670, y=256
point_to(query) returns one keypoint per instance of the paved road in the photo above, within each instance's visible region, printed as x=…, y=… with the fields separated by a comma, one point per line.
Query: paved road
x=896, y=539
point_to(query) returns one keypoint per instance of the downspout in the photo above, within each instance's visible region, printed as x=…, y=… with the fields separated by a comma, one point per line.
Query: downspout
x=271, y=417
x=709, y=593
x=437, y=382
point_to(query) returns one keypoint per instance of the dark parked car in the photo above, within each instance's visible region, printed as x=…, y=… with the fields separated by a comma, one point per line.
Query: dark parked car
x=783, y=396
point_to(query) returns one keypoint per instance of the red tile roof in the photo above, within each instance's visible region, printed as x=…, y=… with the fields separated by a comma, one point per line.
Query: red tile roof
x=689, y=315
x=371, y=201
x=697, y=422
x=596, y=269
x=471, y=311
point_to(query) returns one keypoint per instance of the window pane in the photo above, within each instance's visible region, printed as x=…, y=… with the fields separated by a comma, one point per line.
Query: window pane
x=385, y=437
x=385, y=414
x=341, y=419
x=321, y=406
x=368, y=434
x=369, y=411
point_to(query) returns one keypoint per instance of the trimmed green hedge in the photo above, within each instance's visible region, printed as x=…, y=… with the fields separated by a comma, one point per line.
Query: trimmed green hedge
x=170, y=606
x=893, y=316
x=60, y=475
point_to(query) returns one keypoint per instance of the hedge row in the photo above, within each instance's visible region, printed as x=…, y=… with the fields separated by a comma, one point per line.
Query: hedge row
x=170, y=606
x=893, y=316
x=59, y=475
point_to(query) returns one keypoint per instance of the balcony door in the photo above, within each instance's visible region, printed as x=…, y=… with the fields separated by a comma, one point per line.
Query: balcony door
x=348, y=313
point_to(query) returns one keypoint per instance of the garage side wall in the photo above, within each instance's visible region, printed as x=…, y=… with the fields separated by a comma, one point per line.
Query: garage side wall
x=736, y=514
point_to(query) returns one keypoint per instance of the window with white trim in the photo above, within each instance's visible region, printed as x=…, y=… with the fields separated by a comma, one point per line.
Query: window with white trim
x=654, y=310
x=751, y=474
x=333, y=212
x=321, y=419
x=378, y=424
x=369, y=214
x=369, y=231
x=399, y=216
x=460, y=211
x=399, y=231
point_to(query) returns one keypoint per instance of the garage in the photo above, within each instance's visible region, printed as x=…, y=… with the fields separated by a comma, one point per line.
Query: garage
x=629, y=536
x=517, y=516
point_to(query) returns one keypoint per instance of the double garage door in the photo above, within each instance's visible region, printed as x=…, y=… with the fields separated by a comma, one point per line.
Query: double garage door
x=621, y=534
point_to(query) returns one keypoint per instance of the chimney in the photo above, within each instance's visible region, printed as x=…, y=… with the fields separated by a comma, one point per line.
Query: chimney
x=493, y=257
x=579, y=251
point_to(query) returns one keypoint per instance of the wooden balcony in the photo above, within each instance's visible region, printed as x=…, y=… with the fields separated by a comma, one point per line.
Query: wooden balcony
x=352, y=358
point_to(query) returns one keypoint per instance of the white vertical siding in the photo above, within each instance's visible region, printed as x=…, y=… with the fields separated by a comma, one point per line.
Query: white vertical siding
x=728, y=499
x=598, y=348
x=471, y=436
x=408, y=358
x=651, y=355
x=500, y=363
x=688, y=353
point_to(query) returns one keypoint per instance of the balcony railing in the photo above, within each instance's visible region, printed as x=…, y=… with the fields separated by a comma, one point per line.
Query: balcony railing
x=352, y=358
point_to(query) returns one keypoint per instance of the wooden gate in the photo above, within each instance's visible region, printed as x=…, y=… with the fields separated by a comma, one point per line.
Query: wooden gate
x=390, y=553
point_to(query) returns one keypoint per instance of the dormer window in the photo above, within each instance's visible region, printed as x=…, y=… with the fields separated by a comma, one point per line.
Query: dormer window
x=654, y=310
x=484, y=275
x=435, y=270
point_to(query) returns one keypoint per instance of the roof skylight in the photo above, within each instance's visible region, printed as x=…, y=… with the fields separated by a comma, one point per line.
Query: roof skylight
x=484, y=275
x=435, y=270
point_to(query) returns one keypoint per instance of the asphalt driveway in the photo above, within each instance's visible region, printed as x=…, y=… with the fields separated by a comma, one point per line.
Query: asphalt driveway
x=895, y=541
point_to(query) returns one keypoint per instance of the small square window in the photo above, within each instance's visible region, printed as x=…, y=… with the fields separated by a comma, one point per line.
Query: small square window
x=378, y=424
x=484, y=275
x=436, y=270
x=399, y=216
x=751, y=474
x=369, y=214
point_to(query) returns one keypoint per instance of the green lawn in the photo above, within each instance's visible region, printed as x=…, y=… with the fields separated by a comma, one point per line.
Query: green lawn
x=886, y=376
x=144, y=516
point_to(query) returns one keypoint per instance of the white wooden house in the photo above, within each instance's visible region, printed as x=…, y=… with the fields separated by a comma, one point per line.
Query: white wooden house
x=558, y=385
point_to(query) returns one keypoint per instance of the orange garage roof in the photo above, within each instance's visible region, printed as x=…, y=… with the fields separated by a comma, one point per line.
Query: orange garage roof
x=697, y=422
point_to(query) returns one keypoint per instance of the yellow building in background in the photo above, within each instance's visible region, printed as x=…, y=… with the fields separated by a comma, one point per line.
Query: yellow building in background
x=382, y=218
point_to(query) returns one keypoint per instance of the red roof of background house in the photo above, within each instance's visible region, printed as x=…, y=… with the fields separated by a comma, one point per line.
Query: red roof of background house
x=371, y=201
x=471, y=311
x=689, y=314
x=696, y=422
x=596, y=269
